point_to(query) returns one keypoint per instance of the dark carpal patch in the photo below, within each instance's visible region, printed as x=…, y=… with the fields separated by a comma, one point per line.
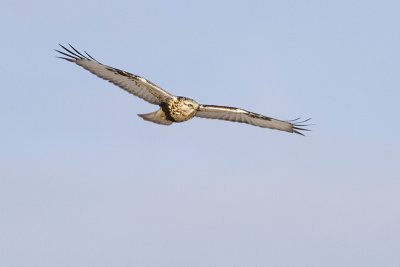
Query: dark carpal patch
x=258, y=116
x=120, y=72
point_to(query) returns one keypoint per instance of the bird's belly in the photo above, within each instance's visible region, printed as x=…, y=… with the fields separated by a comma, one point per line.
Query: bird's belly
x=179, y=110
x=180, y=117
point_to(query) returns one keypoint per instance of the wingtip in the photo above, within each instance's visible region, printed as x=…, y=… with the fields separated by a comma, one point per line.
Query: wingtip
x=297, y=126
x=68, y=59
x=72, y=53
x=297, y=132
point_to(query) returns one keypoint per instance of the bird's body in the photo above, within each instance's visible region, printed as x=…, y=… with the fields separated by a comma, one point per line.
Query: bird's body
x=180, y=109
x=177, y=109
x=173, y=108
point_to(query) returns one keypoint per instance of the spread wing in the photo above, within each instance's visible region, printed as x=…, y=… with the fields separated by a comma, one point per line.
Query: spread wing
x=131, y=83
x=244, y=116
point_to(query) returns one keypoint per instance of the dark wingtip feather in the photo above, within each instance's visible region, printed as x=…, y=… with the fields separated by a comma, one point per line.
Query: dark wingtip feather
x=297, y=132
x=297, y=126
x=73, y=54
x=72, y=57
x=79, y=53
x=68, y=59
x=90, y=56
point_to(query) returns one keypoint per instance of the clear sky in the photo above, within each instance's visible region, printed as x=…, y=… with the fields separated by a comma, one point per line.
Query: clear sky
x=85, y=182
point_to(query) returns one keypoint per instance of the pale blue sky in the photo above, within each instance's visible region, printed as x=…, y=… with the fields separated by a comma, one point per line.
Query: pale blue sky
x=85, y=182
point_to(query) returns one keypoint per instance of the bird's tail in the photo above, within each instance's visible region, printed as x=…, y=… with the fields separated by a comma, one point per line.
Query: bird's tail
x=156, y=117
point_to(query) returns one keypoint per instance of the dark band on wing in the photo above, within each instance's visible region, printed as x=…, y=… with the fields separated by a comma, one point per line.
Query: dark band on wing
x=121, y=72
x=129, y=75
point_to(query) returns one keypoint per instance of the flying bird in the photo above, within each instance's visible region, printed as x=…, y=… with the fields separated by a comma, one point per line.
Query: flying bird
x=173, y=108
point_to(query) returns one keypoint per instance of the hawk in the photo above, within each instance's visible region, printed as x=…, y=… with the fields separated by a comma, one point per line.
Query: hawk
x=173, y=108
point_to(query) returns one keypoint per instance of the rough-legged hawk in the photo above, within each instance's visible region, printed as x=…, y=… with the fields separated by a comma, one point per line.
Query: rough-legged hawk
x=173, y=108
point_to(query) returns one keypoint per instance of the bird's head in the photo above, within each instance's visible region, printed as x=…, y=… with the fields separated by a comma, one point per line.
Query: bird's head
x=183, y=108
x=188, y=105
